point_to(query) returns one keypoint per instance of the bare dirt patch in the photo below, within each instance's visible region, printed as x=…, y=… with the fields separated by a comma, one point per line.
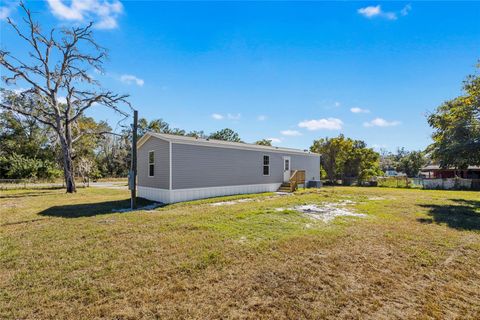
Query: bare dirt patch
x=326, y=212
x=232, y=202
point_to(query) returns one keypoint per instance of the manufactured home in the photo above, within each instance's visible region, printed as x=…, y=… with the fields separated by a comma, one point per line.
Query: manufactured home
x=175, y=168
x=436, y=172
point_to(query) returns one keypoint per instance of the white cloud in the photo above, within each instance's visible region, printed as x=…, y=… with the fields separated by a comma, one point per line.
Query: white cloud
x=370, y=11
x=217, y=116
x=359, y=110
x=406, y=10
x=107, y=23
x=72, y=12
x=327, y=124
x=379, y=122
x=62, y=99
x=275, y=140
x=236, y=116
x=262, y=117
x=390, y=15
x=291, y=133
x=130, y=79
x=376, y=11
x=4, y=12
x=337, y=104
x=104, y=12
x=229, y=116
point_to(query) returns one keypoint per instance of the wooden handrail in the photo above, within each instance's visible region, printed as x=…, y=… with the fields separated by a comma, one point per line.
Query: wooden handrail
x=297, y=177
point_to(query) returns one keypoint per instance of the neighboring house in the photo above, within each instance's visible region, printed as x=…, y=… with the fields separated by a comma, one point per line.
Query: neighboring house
x=435, y=172
x=175, y=168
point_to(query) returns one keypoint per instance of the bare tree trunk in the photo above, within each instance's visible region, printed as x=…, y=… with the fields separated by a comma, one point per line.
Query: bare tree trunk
x=68, y=164
x=68, y=170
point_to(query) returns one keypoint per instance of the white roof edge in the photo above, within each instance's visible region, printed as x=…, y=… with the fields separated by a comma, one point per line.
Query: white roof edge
x=142, y=140
x=220, y=144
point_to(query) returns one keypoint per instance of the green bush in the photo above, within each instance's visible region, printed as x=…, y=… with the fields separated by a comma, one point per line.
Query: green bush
x=17, y=166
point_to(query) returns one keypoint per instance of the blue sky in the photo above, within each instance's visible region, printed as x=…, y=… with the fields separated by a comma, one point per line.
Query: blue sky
x=292, y=71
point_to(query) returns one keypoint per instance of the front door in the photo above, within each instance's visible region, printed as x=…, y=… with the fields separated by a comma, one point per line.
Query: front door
x=286, y=169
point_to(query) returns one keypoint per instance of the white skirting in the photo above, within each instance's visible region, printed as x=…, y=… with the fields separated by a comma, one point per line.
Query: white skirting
x=179, y=195
x=154, y=194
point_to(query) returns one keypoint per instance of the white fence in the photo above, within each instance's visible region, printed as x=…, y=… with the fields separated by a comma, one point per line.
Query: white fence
x=448, y=184
x=421, y=183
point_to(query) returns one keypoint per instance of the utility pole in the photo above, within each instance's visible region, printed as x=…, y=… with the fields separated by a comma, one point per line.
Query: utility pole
x=133, y=171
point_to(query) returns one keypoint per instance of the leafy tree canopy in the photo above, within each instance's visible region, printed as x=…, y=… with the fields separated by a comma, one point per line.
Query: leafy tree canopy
x=408, y=162
x=24, y=135
x=456, y=124
x=346, y=158
x=225, y=135
x=264, y=142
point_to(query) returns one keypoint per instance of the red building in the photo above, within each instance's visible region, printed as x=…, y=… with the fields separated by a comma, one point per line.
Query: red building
x=435, y=172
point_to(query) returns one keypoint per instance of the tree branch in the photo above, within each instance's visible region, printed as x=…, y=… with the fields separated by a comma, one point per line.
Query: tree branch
x=28, y=114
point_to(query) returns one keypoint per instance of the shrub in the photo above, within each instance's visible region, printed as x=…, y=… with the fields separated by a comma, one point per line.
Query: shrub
x=17, y=166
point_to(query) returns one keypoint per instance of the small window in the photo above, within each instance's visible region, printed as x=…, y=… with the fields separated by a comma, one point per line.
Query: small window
x=266, y=165
x=287, y=164
x=151, y=163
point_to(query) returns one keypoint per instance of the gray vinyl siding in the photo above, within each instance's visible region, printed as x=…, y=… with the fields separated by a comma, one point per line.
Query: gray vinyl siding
x=201, y=166
x=161, y=178
x=310, y=164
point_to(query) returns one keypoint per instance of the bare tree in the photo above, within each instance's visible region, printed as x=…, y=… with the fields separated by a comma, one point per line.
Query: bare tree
x=84, y=168
x=59, y=66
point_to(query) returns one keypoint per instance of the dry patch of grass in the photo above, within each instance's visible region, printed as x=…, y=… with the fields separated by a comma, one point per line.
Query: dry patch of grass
x=415, y=255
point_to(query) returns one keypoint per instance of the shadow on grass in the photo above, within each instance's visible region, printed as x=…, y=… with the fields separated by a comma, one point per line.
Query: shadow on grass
x=464, y=215
x=92, y=209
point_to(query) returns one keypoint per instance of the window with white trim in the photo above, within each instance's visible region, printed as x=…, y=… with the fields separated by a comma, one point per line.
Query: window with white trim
x=266, y=165
x=151, y=163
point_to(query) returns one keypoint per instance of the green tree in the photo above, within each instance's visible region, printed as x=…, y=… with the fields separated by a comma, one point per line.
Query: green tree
x=24, y=135
x=87, y=152
x=333, y=151
x=197, y=134
x=160, y=126
x=408, y=162
x=18, y=166
x=369, y=164
x=90, y=133
x=156, y=125
x=264, y=142
x=411, y=163
x=226, y=135
x=456, y=124
x=346, y=158
x=27, y=148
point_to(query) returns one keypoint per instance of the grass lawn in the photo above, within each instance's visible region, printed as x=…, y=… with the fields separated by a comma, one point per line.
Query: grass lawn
x=416, y=255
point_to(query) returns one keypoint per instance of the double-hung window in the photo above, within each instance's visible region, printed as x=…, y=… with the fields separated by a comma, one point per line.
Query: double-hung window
x=266, y=165
x=151, y=163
